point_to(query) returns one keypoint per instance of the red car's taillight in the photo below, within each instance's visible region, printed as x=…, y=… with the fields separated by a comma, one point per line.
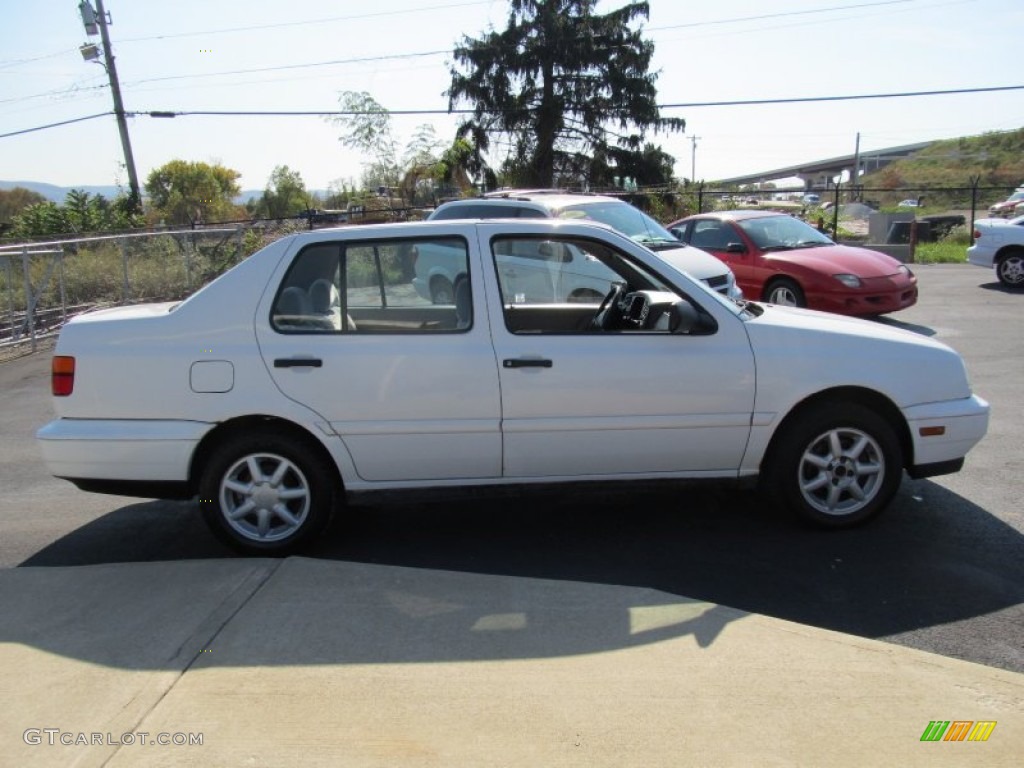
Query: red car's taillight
x=62, y=380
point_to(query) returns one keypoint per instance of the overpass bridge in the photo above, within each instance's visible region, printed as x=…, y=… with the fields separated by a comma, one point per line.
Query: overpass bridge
x=818, y=174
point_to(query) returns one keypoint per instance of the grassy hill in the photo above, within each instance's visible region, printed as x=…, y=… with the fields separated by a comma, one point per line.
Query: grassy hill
x=996, y=159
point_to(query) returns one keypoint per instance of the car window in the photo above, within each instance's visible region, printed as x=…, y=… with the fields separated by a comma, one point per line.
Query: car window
x=557, y=285
x=712, y=234
x=387, y=286
x=782, y=231
x=623, y=217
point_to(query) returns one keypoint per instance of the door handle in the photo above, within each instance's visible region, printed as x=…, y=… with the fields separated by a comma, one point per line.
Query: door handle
x=298, y=362
x=519, y=362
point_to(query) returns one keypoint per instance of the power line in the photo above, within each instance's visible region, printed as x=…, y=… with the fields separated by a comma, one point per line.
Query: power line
x=327, y=20
x=812, y=99
x=16, y=62
x=420, y=54
x=688, y=105
x=55, y=125
x=779, y=15
x=290, y=66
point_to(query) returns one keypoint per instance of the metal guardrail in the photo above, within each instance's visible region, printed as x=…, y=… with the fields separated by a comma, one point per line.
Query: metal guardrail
x=28, y=320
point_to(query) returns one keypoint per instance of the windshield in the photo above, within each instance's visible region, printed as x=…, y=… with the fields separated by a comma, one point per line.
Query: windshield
x=628, y=220
x=777, y=232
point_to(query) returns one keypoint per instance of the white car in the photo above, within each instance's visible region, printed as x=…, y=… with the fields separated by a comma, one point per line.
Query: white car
x=435, y=277
x=527, y=272
x=999, y=243
x=314, y=371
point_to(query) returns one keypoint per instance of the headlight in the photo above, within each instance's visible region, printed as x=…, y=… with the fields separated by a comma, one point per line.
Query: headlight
x=733, y=291
x=850, y=281
x=906, y=270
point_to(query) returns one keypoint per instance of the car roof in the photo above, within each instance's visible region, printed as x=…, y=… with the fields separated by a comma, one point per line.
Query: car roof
x=548, y=198
x=744, y=213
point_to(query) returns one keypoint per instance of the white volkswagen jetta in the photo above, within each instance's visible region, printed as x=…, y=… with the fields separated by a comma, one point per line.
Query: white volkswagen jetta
x=314, y=370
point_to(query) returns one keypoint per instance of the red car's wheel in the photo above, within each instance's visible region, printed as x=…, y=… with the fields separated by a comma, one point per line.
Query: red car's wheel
x=786, y=292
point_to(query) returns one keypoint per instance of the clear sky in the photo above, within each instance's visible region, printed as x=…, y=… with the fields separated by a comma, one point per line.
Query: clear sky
x=272, y=55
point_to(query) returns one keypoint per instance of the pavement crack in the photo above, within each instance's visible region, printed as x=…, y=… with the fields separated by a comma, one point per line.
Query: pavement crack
x=203, y=637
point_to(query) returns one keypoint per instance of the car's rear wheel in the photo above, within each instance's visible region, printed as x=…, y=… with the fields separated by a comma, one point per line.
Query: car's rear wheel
x=1010, y=269
x=266, y=494
x=785, y=292
x=834, y=464
x=442, y=291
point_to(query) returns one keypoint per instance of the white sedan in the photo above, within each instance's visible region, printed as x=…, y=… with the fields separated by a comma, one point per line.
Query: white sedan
x=999, y=244
x=314, y=371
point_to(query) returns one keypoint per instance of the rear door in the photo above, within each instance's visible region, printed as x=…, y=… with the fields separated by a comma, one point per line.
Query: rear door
x=410, y=386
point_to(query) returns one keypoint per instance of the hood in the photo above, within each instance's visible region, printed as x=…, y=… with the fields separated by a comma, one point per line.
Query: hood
x=814, y=321
x=699, y=264
x=795, y=344
x=840, y=259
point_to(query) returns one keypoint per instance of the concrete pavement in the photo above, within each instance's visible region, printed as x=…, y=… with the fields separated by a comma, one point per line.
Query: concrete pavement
x=327, y=663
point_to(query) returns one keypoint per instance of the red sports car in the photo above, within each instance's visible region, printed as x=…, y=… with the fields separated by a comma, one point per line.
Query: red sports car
x=782, y=260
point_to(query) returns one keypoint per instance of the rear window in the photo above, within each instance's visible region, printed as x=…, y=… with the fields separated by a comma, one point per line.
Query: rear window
x=412, y=285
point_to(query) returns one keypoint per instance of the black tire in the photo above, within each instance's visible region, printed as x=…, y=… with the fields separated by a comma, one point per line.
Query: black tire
x=585, y=296
x=291, y=504
x=442, y=291
x=1010, y=269
x=803, y=474
x=785, y=292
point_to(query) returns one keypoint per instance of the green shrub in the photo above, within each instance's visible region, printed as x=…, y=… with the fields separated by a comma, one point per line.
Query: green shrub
x=959, y=235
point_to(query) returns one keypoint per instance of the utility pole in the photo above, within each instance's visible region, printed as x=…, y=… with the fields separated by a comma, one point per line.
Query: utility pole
x=855, y=177
x=98, y=18
x=693, y=158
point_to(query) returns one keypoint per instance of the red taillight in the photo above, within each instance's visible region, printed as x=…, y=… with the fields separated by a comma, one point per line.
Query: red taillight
x=62, y=380
x=977, y=234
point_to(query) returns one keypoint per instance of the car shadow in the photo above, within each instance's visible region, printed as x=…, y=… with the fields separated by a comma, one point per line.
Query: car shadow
x=1000, y=288
x=931, y=559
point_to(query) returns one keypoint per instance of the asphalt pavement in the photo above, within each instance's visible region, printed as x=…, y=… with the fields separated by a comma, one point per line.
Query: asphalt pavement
x=637, y=626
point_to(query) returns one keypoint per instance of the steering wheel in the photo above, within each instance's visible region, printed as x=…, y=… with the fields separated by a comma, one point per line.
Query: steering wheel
x=609, y=310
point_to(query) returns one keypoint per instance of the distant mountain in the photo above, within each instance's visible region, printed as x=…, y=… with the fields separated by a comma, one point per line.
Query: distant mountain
x=58, y=194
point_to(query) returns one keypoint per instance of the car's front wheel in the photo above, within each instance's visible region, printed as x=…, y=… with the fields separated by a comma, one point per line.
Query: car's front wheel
x=266, y=494
x=442, y=291
x=834, y=464
x=1010, y=269
x=785, y=292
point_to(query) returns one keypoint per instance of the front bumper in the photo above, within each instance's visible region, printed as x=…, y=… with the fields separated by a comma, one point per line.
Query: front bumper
x=877, y=296
x=150, y=451
x=963, y=422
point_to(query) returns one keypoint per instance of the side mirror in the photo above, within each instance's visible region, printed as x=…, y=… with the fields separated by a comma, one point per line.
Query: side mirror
x=735, y=248
x=682, y=317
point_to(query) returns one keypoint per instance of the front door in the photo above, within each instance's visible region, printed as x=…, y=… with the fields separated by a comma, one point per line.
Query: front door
x=626, y=400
